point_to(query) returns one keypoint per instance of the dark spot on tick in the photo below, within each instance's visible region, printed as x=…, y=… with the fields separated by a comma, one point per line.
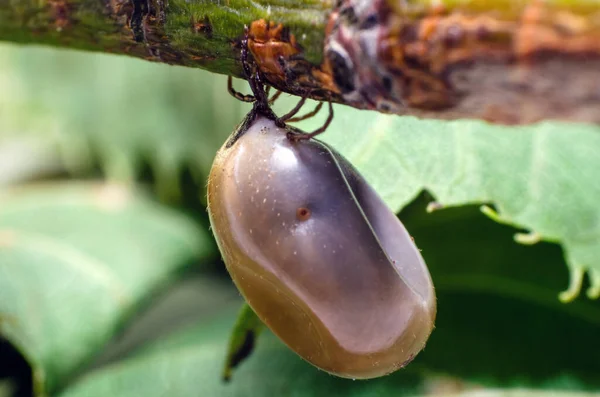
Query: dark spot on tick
x=303, y=214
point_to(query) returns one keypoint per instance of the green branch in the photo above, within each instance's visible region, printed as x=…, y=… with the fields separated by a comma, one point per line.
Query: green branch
x=195, y=34
x=506, y=61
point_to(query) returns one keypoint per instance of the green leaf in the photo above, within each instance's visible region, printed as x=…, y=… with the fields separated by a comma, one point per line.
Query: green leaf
x=242, y=340
x=499, y=322
x=75, y=260
x=189, y=363
x=126, y=112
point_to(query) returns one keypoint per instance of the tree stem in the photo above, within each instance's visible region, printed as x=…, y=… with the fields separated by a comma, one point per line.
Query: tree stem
x=505, y=61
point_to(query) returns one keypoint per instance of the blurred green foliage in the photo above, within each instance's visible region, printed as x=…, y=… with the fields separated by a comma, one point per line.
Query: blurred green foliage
x=130, y=126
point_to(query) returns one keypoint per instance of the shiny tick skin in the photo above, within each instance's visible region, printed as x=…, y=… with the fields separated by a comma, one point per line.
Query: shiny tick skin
x=317, y=254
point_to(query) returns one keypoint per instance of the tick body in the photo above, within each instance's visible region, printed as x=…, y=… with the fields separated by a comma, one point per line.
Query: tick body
x=317, y=254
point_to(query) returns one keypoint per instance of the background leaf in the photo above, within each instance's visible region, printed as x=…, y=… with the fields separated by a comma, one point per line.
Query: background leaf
x=75, y=260
x=497, y=306
x=129, y=114
x=190, y=361
x=499, y=322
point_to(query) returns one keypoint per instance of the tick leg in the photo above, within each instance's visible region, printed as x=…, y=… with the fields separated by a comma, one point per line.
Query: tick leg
x=295, y=110
x=274, y=97
x=236, y=94
x=307, y=115
x=299, y=137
